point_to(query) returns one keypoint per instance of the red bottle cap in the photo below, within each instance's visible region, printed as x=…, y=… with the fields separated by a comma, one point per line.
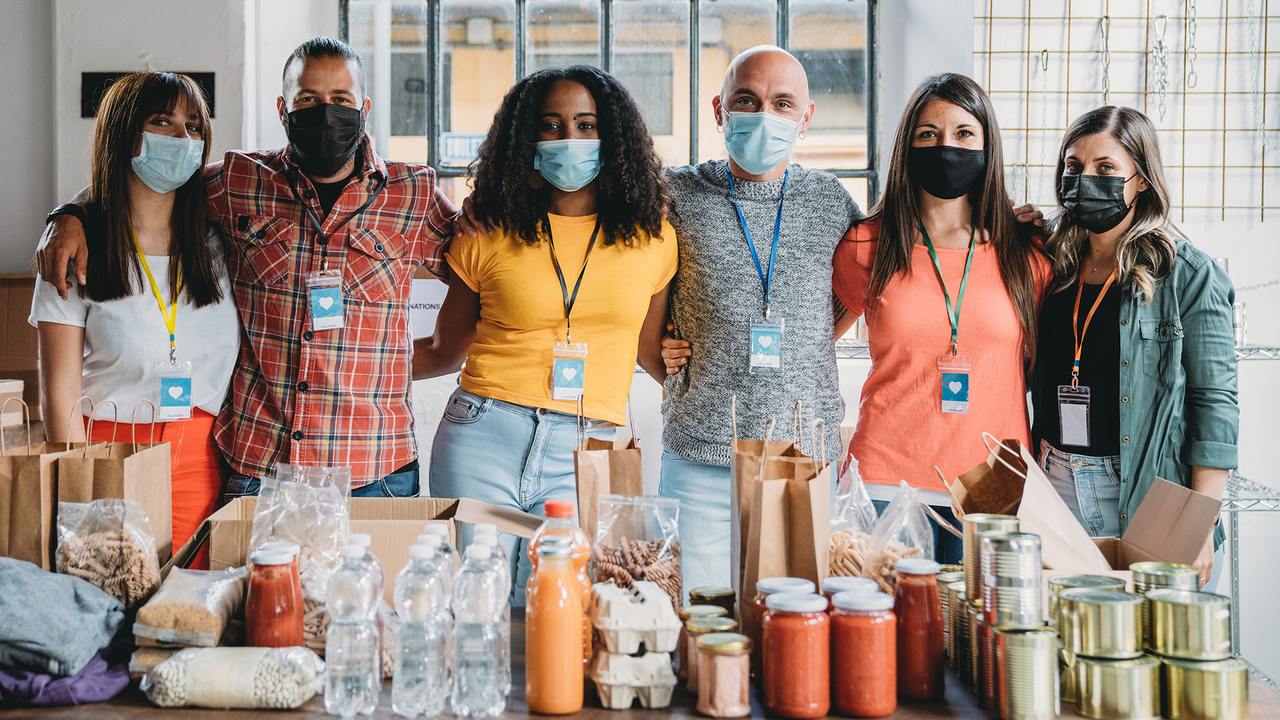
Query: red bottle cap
x=558, y=508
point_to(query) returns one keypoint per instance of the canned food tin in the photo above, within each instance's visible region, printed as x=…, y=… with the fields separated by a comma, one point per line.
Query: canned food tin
x=954, y=606
x=944, y=581
x=974, y=524
x=1058, y=583
x=1157, y=575
x=1190, y=625
x=1026, y=670
x=1216, y=690
x=971, y=647
x=1102, y=623
x=1011, y=570
x=1067, y=674
x=1118, y=689
x=945, y=568
x=988, y=689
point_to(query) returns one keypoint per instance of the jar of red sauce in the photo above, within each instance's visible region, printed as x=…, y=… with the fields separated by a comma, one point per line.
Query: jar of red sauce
x=841, y=583
x=764, y=588
x=273, y=609
x=864, y=655
x=796, y=635
x=920, y=641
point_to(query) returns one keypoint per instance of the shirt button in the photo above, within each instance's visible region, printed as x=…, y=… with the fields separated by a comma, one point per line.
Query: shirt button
x=1124, y=399
x=1123, y=516
x=303, y=386
x=1126, y=438
x=260, y=234
x=297, y=434
x=1124, y=322
x=308, y=335
x=308, y=194
x=378, y=247
x=1125, y=479
x=1124, y=363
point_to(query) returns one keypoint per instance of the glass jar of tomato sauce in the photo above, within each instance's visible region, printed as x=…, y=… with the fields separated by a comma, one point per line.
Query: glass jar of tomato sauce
x=273, y=608
x=864, y=657
x=921, y=662
x=796, y=637
x=840, y=583
x=764, y=588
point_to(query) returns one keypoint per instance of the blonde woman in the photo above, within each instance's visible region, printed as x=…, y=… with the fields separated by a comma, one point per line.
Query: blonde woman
x=1136, y=373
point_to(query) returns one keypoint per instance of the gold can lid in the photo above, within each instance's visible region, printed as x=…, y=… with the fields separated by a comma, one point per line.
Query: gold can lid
x=710, y=625
x=945, y=568
x=709, y=592
x=1146, y=572
x=1209, y=666
x=946, y=578
x=1186, y=597
x=1062, y=582
x=723, y=642
x=696, y=611
x=1144, y=661
x=1092, y=596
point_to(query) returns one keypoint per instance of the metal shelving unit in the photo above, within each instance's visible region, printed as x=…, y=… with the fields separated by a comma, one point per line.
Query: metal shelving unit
x=1244, y=495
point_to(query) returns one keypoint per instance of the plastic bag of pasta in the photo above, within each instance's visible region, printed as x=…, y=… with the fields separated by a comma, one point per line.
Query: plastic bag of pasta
x=310, y=507
x=903, y=531
x=193, y=607
x=109, y=542
x=852, y=521
x=236, y=678
x=638, y=538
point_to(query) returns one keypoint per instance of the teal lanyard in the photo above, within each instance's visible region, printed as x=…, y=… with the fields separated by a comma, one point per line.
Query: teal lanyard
x=953, y=314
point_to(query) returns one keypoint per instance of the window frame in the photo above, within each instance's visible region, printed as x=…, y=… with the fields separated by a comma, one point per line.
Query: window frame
x=782, y=30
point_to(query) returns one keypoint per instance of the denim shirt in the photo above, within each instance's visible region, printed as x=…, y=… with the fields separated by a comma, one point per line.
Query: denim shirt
x=1178, y=401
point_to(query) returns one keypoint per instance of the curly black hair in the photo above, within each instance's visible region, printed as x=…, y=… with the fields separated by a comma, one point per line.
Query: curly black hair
x=632, y=190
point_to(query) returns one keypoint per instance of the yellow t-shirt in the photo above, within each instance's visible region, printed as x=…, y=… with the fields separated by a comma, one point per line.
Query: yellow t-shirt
x=522, y=312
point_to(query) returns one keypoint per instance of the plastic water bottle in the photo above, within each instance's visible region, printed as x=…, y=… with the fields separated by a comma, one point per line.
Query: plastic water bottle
x=441, y=560
x=442, y=531
x=353, y=678
x=502, y=567
x=421, y=684
x=477, y=683
x=371, y=561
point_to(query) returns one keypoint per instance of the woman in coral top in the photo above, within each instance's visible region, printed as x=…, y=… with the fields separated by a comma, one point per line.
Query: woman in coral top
x=950, y=284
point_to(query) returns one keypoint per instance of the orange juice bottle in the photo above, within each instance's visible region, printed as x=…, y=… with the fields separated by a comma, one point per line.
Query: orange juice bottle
x=561, y=523
x=553, y=627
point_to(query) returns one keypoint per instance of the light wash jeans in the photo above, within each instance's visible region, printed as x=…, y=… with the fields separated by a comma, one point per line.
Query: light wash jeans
x=1090, y=486
x=703, y=492
x=507, y=455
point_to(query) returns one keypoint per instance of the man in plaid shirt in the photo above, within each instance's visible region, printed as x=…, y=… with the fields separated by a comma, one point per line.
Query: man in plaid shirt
x=324, y=211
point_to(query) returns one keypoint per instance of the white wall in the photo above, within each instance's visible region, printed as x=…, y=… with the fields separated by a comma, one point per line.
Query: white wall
x=26, y=116
x=275, y=28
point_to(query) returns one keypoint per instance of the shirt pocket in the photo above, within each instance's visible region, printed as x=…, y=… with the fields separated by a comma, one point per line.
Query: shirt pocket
x=375, y=266
x=1161, y=348
x=268, y=242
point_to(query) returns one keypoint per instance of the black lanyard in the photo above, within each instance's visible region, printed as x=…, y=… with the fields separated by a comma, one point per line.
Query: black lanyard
x=569, y=300
x=315, y=222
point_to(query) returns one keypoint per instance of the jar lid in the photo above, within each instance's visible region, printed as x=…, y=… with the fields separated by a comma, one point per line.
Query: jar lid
x=839, y=584
x=364, y=539
x=292, y=548
x=867, y=601
x=710, y=624
x=479, y=552
x=917, y=566
x=797, y=602
x=422, y=552
x=436, y=528
x=946, y=577
x=767, y=586
x=430, y=540
x=351, y=551
x=710, y=592
x=695, y=611
x=276, y=557
x=724, y=642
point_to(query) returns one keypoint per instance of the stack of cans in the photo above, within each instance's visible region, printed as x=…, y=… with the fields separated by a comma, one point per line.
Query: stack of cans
x=945, y=579
x=1190, y=631
x=1149, y=576
x=1010, y=568
x=1026, y=663
x=1109, y=676
x=965, y=620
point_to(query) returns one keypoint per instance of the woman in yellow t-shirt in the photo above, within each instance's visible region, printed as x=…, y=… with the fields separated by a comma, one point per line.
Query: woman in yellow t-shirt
x=553, y=308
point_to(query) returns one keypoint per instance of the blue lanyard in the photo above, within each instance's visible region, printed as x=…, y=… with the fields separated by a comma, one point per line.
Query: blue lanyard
x=765, y=279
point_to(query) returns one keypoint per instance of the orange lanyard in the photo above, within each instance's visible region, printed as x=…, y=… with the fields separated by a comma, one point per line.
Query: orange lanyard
x=1075, y=319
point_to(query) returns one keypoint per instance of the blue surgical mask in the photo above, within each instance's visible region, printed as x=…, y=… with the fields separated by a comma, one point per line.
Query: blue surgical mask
x=165, y=163
x=568, y=164
x=758, y=141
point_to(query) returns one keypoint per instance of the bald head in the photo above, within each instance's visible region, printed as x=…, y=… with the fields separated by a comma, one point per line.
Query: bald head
x=765, y=78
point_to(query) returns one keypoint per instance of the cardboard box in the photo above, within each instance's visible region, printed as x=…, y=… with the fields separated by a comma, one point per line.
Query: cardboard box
x=393, y=523
x=10, y=412
x=19, y=341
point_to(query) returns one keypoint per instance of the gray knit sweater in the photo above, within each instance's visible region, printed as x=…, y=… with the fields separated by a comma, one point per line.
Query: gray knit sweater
x=716, y=295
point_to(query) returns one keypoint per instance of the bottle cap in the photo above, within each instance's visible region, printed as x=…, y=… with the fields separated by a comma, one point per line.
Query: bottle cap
x=486, y=529
x=351, y=551
x=430, y=540
x=917, y=566
x=437, y=528
x=364, y=539
x=558, y=508
x=796, y=602
x=292, y=548
x=839, y=584
x=272, y=557
x=477, y=552
x=421, y=552
x=768, y=586
x=857, y=600
x=487, y=540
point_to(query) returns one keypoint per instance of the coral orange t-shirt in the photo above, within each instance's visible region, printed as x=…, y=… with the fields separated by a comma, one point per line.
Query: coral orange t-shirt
x=902, y=432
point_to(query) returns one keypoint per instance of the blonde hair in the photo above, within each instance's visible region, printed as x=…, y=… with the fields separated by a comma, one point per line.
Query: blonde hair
x=1146, y=251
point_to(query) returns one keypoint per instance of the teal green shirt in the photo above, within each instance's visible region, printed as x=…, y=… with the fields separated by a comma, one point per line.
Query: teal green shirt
x=1178, y=405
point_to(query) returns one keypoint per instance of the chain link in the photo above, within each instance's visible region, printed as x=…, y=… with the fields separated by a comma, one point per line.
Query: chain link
x=1256, y=90
x=1160, y=54
x=1192, y=78
x=1259, y=286
x=1044, y=121
x=1106, y=59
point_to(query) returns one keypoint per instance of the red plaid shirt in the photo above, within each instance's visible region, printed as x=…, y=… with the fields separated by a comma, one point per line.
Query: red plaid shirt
x=327, y=398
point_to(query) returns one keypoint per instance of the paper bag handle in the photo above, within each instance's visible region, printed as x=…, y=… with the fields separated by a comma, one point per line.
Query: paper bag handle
x=797, y=428
x=1014, y=470
x=582, y=424
x=133, y=421
x=942, y=477
x=26, y=419
x=631, y=417
x=764, y=453
x=819, y=441
x=88, y=431
x=733, y=418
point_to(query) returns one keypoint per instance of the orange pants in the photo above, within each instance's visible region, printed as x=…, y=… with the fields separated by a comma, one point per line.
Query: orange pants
x=198, y=471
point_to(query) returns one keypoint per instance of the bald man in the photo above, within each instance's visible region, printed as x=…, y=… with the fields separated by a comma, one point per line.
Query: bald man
x=752, y=299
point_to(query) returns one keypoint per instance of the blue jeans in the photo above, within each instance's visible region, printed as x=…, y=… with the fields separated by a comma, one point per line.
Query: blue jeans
x=402, y=483
x=947, y=548
x=1090, y=486
x=507, y=455
x=703, y=491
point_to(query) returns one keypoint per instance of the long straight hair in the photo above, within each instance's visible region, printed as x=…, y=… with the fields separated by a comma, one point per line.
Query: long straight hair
x=899, y=212
x=113, y=269
x=1146, y=251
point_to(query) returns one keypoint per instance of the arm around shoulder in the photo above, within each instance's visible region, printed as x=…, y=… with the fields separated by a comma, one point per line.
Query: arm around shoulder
x=1209, y=361
x=446, y=349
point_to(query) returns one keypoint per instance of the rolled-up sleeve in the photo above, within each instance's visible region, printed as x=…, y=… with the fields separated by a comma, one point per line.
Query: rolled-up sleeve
x=1209, y=361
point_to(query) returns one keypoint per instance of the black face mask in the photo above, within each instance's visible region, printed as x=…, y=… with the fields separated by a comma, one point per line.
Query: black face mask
x=1096, y=202
x=946, y=172
x=324, y=137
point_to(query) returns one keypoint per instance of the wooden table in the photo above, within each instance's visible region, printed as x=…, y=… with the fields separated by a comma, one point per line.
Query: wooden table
x=1264, y=703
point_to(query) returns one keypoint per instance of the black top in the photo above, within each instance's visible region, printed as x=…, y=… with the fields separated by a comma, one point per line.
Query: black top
x=1099, y=367
x=327, y=193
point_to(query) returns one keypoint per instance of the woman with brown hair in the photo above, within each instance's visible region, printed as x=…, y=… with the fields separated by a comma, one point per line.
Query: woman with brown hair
x=1137, y=371
x=950, y=284
x=156, y=319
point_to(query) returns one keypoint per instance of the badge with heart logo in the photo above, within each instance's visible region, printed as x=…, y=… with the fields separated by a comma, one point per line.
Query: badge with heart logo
x=325, y=290
x=175, y=392
x=568, y=366
x=955, y=383
x=766, y=346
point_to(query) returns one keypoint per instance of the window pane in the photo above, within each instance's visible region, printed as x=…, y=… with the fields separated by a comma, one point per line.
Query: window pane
x=479, y=67
x=829, y=37
x=857, y=188
x=727, y=28
x=563, y=32
x=651, y=58
x=404, y=32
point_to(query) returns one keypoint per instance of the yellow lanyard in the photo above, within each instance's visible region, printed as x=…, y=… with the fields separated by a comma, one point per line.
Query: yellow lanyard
x=170, y=315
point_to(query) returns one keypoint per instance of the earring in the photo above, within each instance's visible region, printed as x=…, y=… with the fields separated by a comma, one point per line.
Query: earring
x=802, y=134
x=719, y=128
x=535, y=180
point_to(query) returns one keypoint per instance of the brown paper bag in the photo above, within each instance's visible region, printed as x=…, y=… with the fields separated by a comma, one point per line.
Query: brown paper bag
x=606, y=468
x=28, y=499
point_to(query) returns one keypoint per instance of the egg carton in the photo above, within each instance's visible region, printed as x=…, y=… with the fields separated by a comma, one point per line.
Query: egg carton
x=625, y=618
x=620, y=679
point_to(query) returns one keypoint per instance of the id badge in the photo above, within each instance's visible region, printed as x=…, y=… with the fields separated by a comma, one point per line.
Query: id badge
x=955, y=383
x=568, y=368
x=325, y=290
x=1073, y=415
x=766, y=345
x=175, y=392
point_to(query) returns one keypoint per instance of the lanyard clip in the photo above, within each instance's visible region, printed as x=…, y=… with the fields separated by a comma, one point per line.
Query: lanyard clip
x=173, y=355
x=766, y=310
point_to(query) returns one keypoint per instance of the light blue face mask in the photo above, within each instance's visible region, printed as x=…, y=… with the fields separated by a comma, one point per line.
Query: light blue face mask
x=165, y=163
x=568, y=164
x=758, y=141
